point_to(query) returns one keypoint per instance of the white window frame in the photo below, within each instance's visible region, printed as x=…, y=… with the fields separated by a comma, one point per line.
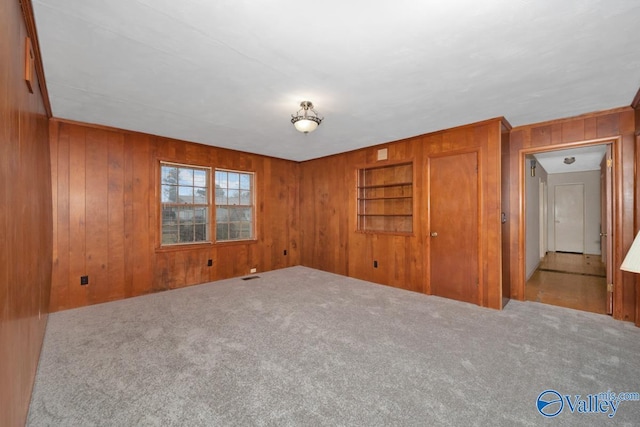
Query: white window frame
x=234, y=206
x=180, y=214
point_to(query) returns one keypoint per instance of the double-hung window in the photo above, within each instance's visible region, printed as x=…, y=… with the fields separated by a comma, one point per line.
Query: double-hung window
x=185, y=201
x=234, y=200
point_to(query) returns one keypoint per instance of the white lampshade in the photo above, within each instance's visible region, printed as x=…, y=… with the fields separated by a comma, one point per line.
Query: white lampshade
x=306, y=119
x=632, y=260
x=306, y=125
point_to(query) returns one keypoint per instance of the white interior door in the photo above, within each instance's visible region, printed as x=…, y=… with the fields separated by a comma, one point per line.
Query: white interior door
x=569, y=218
x=543, y=217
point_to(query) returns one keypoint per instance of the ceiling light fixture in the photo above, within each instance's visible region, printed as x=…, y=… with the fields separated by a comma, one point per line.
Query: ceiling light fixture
x=303, y=120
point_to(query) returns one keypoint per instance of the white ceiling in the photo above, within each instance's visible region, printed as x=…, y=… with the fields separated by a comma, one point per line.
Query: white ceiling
x=230, y=73
x=586, y=159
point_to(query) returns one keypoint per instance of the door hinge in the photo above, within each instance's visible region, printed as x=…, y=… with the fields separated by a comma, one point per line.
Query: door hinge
x=609, y=163
x=609, y=287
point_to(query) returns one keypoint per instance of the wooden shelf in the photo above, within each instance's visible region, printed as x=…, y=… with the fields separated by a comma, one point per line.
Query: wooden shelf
x=385, y=199
x=398, y=184
x=409, y=215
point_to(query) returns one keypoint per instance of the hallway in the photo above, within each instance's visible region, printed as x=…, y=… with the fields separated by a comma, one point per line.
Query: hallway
x=570, y=280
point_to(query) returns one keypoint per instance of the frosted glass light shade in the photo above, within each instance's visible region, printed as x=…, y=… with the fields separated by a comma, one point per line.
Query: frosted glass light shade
x=306, y=119
x=306, y=125
x=632, y=260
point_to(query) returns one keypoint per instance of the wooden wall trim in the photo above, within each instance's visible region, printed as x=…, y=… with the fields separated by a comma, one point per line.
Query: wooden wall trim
x=29, y=19
x=593, y=114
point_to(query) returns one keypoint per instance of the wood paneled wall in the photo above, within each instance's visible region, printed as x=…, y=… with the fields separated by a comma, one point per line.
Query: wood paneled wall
x=106, y=216
x=615, y=124
x=25, y=220
x=636, y=106
x=328, y=225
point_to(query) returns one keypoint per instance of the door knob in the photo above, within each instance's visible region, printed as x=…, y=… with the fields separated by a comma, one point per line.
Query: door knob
x=434, y=234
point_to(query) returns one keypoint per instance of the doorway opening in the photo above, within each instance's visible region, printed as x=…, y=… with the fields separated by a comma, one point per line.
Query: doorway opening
x=568, y=211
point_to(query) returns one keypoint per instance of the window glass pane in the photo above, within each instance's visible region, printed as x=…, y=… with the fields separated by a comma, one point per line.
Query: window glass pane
x=236, y=214
x=186, y=233
x=245, y=181
x=185, y=176
x=201, y=215
x=201, y=233
x=200, y=196
x=222, y=231
x=221, y=196
x=222, y=214
x=234, y=180
x=244, y=230
x=185, y=195
x=221, y=179
x=245, y=197
x=170, y=234
x=186, y=215
x=234, y=205
x=184, y=198
x=200, y=178
x=169, y=216
x=169, y=194
x=169, y=175
x=234, y=197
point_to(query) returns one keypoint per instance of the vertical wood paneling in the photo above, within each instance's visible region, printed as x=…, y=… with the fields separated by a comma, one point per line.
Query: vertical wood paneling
x=108, y=216
x=506, y=209
x=97, y=214
x=77, y=216
x=115, y=213
x=26, y=226
x=129, y=247
x=636, y=106
x=141, y=228
x=328, y=213
x=619, y=123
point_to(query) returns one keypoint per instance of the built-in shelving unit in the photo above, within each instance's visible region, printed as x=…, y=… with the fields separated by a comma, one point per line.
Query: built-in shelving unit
x=385, y=198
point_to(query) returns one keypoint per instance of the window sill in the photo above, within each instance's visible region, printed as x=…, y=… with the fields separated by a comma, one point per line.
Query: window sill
x=200, y=246
x=184, y=247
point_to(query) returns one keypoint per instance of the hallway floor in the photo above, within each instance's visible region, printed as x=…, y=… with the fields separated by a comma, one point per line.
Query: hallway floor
x=570, y=280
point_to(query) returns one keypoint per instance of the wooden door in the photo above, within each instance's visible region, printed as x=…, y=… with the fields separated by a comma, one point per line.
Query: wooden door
x=606, y=229
x=569, y=218
x=453, y=226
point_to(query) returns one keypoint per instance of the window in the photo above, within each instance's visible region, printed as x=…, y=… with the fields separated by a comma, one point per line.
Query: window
x=185, y=204
x=234, y=205
x=385, y=199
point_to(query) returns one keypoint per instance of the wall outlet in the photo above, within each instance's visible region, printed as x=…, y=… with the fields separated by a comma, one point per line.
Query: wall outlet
x=253, y=270
x=84, y=280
